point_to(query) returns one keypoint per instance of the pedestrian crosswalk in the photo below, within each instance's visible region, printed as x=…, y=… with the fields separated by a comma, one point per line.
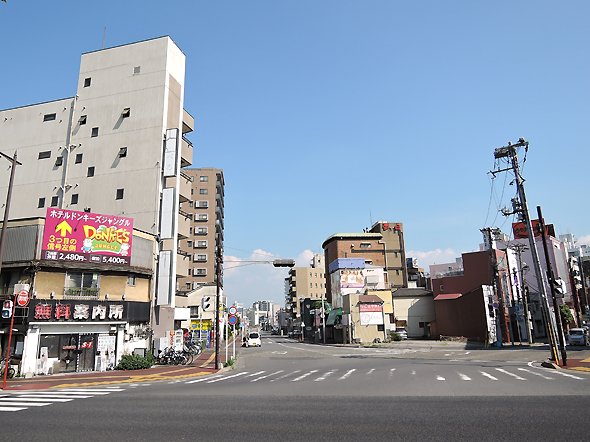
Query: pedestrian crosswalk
x=491, y=374
x=21, y=400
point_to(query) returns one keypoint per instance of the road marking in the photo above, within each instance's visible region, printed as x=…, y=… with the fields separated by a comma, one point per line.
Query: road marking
x=568, y=375
x=11, y=409
x=535, y=373
x=324, y=376
x=440, y=378
x=371, y=371
x=467, y=352
x=267, y=376
x=285, y=375
x=413, y=372
x=194, y=381
x=35, y=399
x=464, y=377
x=49, y=397
x=256, y=374
x=304, y=376
x=27, y=404
x=487, y=375
x=345, y=375
x=228, y=377
x=391, y=370
x=93, y=390
x=73, y=393
x=279, y=352
x=501, y=370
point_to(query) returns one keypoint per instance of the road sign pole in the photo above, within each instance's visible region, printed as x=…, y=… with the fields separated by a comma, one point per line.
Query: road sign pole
x=234, y=343
x=7, y=358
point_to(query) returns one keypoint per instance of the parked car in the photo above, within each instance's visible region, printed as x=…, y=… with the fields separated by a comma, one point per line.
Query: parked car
x=578, y=336
x=254, y=340
x=402, y=332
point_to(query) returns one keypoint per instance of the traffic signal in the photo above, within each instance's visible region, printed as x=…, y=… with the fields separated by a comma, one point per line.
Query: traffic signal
x=558, y=287
x=283, y=263
x=7, y=309
x=206, y=303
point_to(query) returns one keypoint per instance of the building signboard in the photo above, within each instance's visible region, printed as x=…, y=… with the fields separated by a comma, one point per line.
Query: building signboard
x=94, y=311
x=371, y=314
x=70, y=235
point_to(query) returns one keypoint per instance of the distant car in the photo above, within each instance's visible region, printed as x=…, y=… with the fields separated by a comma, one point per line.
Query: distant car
x=275, y=331
x=402, y=332
x=254, y=340
x=578, y=336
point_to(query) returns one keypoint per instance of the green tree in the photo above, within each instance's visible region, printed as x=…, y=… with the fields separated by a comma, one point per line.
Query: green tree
x=566, y=314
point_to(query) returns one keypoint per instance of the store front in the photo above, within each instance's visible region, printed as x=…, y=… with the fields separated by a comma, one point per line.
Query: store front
x=77, y=336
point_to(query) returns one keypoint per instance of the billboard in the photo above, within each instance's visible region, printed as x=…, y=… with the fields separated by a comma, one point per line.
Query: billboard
x=520, y=231
x=74, y=236
x=371, y=314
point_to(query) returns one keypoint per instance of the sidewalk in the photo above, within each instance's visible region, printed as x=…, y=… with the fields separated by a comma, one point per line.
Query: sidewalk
x=203, y=365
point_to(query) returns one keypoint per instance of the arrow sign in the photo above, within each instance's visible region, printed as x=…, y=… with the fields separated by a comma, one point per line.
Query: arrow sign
x=63, y=227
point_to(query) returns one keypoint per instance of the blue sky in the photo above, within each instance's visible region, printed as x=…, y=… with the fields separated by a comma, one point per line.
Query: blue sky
x=327, y=115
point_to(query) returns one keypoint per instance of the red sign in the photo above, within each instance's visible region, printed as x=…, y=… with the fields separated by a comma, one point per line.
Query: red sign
x=520, y=231
x=370, y=307
x=22, y=298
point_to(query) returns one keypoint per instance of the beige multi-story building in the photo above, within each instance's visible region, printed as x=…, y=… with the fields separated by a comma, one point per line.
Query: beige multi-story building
x=206, y=210
x=117, y=147
x=305, y=283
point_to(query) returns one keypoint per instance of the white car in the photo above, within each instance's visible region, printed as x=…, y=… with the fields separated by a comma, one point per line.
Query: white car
x=254, y=340
x=578, y=336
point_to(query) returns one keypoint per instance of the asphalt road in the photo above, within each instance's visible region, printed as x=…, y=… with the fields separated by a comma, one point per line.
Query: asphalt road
x=300, y=392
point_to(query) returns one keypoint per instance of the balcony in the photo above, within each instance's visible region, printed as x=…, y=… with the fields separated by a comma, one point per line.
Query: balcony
x=183, y=260
x=188, y=122
x=185, y=187
x=184, y=224
x=81, y=293
x=186, y=153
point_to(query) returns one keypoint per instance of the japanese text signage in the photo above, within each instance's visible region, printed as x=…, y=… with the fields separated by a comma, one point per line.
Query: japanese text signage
x=70, y=235
x=77, y=311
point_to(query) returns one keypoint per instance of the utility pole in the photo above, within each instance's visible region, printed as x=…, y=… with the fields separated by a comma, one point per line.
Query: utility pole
x=509, y=152
x=218, y=264
x=522, y=295
x=551, y=277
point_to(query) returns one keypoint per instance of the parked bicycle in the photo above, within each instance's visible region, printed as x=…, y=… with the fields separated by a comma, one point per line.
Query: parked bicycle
x=11, y=371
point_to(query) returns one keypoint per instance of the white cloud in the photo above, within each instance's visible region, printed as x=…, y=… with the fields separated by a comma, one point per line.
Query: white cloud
x=584, y=240
x=436, y=256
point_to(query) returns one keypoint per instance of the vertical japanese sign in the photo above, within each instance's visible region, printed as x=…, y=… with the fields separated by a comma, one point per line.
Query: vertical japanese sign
x=70, y=235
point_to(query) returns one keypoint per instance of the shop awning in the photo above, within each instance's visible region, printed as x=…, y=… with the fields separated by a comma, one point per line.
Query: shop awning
x=333, y=315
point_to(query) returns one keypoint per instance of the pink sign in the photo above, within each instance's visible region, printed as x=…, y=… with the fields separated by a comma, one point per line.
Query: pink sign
x=70, y=235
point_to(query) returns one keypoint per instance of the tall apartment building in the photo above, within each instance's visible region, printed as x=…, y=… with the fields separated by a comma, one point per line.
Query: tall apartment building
x=305, y=282
x=206, y=211
x=116, y=147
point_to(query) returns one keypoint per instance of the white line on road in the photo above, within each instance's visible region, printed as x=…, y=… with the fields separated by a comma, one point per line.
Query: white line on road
x=267, y=376
x=73, y=393
x=11, y=409
x=324, y=376
x=501, y=370
x=413, y=372
x=464, y=377
x=487, y=375
x=304, y=375
x=568, y=375
x=285, y=375
x=35, y=399
x=92, y=390
x=535, y=373
x=345, y=375
x=440, y=378
x=227, y=377
x=50, y=397
x=27, y=404
x=256, y=374
x=194, y=381
x=371, y=371
x=391, y=370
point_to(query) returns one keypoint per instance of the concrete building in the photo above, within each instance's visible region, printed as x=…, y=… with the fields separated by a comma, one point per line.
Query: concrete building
x=116, y=147
x=305, y=282
x=206, y=210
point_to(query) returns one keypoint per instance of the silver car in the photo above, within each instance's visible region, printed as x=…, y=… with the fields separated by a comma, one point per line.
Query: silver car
x=578, y=336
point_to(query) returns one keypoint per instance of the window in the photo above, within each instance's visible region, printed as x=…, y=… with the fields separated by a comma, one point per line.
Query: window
x=74, y=198
x=202, y=258
x=59, y=161
x=200, y=272
x=120, y=193
x=365, y=245
x=49, y=117
x=90, y=171
x=41, y=203
x=123, y=152
x=94, y=132
x=203, y=204
x=82, y=120
x=78, y=158
x=87, y=81
x=44, y=154
x=131, y=280
x=54, y=201
x=201, y=244
x=201, y=231
x=203, y=217
x=136, y=70
x=126, y=112
x=188, y=287
x=203, y=179
x=81, y=284
x=203, y=192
